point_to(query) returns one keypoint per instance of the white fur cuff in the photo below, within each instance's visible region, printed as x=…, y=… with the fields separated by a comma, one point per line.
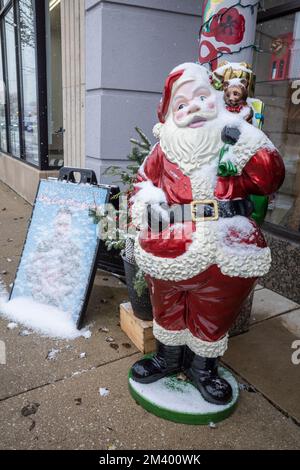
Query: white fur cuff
x=185, y=338
x=147, y=194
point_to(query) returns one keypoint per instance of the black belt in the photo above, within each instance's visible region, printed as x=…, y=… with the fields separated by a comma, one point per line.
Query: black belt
x=202, y=210
x=214, y=209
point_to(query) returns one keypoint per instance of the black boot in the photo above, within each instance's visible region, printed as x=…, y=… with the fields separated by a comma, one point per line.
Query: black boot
x=166, y=361
x=187, y=359
x=203, y=373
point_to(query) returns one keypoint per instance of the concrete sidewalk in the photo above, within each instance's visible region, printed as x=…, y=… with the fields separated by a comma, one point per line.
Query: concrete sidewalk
x=69, y=412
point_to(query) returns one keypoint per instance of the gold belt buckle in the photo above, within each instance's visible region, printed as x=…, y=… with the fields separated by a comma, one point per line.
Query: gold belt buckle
x=211, y=202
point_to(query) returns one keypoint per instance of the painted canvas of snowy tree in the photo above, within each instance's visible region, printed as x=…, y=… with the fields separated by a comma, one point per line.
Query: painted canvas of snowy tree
x=60, y=248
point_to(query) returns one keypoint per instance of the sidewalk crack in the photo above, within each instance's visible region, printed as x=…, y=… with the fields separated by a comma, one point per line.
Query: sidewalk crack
x=23, y=392
x=269, y=400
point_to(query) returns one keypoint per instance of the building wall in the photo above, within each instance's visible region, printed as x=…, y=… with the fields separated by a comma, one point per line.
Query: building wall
x=284, y=274
x=131, y=46
x=73, y=80
x=22, y=178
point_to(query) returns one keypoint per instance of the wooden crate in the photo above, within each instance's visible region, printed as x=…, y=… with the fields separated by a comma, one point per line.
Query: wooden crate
x=139, y=331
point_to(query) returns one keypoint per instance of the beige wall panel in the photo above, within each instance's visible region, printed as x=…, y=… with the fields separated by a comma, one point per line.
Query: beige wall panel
x=73, y=45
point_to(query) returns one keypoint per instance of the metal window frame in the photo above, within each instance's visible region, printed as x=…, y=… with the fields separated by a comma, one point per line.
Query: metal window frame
x=41, y=83
x=4, y=69
x=3, y=14
x=19, y=79
x=285, y=9
x=41, y=71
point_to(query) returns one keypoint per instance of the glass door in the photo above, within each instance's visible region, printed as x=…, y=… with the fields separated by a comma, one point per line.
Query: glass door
x=54, y=80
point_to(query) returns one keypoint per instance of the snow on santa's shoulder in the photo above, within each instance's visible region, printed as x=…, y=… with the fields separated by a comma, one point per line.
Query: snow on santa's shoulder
x=231, y=65
x=249, y=133
x=236, y=82
x=43, y=319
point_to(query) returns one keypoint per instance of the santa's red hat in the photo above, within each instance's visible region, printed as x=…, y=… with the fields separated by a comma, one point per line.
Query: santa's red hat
x=183, y=73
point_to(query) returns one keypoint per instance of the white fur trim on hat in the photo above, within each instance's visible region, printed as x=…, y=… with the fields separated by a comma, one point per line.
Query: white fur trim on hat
x=191, y=72
x=157, y=129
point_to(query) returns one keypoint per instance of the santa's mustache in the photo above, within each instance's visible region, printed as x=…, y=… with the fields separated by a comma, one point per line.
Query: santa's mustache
x=190, y=147
x=197, y=117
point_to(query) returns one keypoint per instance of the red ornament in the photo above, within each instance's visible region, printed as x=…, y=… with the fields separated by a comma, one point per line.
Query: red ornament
x=227, y=26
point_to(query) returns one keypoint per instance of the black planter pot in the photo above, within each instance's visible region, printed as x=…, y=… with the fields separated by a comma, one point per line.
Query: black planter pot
x=141, y=306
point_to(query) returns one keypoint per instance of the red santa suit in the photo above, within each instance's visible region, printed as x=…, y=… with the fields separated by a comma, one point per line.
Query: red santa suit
x=200, y=272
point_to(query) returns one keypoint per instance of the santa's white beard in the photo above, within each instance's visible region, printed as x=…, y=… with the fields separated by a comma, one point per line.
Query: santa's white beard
x=190, y=147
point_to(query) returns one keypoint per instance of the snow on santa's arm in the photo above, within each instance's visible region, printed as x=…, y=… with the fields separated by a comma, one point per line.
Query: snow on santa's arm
x=146, y=190
x=264, y=173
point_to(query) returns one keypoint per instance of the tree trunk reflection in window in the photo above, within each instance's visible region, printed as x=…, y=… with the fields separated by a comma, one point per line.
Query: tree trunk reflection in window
x=13, y=106
x=28, y=77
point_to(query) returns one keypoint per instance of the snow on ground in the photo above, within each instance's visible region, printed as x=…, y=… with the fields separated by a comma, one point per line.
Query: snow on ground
x=43, y=319
x=103, y=392
x=3, y=292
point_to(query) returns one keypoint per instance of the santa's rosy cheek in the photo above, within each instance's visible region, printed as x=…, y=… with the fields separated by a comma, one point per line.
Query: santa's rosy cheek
x=211, y=106
x=180, y=115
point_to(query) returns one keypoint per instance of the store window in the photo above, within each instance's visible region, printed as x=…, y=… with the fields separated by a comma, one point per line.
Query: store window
x=12, y=84
x=54, y=74
x=30, y=82
x=3, y=125
x=267, y=4
x=277, y=70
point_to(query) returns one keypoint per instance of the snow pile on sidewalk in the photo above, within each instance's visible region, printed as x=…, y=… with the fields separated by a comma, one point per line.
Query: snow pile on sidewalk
x=3, y=292
x=43, y=319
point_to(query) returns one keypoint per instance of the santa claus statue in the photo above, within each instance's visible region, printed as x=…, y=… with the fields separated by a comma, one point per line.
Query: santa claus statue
x=201, y=251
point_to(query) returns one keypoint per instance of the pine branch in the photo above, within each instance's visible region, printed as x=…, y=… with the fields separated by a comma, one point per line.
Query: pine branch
x=143, y=137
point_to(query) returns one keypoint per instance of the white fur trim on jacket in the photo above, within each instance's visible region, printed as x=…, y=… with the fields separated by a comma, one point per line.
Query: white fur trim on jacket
x=147, y=194
x=185, y=338
x=208, y=248
x=250, y=141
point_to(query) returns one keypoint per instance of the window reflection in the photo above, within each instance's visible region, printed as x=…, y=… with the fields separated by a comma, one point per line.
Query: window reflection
x=54, y=73
x=13, y=107
x=277, y=70
x=19, y=87
x=3, y=138
x=28, y=73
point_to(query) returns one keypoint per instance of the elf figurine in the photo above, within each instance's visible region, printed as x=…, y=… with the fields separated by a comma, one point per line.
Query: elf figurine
x=198, y=245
